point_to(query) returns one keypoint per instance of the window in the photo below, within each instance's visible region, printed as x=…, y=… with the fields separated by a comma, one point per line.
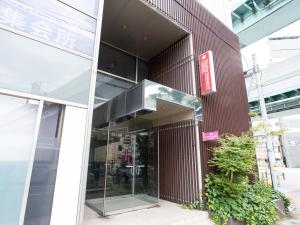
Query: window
x=36, y=68
x=108, y=87
x=18, y=118
x=143, y=70
x=117, y=62
x=41, y=191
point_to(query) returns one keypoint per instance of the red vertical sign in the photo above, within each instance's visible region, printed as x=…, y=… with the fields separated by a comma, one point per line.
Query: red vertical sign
x=207, y=73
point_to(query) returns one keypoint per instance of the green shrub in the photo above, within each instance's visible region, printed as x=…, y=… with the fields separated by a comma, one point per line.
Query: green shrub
x=198, y=204
x=228, y=191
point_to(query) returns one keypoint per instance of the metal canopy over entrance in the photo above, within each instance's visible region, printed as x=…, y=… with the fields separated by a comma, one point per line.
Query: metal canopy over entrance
x=124, y=170
x=149, y=100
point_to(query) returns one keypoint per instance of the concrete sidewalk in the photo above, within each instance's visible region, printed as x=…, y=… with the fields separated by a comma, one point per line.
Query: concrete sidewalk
x=167, y=214
x=291, y=187
x=173, y=214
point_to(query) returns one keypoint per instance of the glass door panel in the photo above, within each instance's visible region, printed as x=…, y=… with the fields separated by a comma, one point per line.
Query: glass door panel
x=97, y=170
x=119, y=175
x=129, y=174
x=146, y=168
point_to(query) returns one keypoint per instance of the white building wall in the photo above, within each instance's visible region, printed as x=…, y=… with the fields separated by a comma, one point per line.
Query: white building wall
x=291, y=140
x=284, y=48
x=220, y=9
x=65, y=200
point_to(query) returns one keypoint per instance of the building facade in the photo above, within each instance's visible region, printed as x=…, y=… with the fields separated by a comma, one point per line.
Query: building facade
x=101, y=105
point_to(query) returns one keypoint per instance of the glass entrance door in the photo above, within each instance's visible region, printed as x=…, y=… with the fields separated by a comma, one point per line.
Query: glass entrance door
x=120, y=157
x=146, y=166
x=131, y=171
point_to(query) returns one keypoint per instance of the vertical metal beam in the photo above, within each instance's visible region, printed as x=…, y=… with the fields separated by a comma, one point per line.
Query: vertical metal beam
x=197, y=138
x=158, y=168
x=198, y=156
x=194, y=80
x=136, y=69
x=133, y=163
x=105, y=176
x=85, y=157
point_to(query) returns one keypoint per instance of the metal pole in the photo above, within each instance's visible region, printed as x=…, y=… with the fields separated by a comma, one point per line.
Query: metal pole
x=271, y=155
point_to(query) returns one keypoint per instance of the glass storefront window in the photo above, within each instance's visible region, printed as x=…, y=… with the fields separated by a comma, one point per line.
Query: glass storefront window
x=32, y=67
x=17, y=126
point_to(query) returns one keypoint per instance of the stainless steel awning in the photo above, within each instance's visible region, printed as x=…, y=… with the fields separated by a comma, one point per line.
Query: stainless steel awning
x=149, y=101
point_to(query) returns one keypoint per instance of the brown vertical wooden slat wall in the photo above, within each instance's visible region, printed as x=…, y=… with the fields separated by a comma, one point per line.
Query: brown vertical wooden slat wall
x=225, y=111
x=177, y=154
x=173, y=67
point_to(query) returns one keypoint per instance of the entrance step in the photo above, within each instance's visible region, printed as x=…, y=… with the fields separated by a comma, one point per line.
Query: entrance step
x=167, y=214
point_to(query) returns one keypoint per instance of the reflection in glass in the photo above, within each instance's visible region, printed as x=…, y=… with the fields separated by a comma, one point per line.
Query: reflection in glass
x=119, y=163
x=109, y=87
x=17, y=124
x=37, y=68
x=41, y=191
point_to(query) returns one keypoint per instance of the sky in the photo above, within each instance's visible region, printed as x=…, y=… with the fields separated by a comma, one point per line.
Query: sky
x=261, y=47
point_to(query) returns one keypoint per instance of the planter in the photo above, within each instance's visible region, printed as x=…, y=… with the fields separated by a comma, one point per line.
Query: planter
x=280, y=207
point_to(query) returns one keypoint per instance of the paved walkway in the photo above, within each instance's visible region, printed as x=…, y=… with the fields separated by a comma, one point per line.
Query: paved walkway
x=172, y=214
x=291, y=187
x=167, y=214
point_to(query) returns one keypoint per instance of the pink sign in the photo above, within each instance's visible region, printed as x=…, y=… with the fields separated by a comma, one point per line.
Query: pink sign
x=210, y=136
